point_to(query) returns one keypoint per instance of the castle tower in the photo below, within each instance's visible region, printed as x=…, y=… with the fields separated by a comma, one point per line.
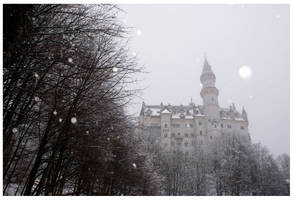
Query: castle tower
x=209, y=92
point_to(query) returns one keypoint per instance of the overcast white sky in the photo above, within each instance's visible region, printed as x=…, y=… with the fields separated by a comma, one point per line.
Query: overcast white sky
x=170, y=41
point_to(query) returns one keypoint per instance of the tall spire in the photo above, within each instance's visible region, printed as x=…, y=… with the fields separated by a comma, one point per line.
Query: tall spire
x=244, y=114
x=207, y=76
x=206, y=66
x=209, y=92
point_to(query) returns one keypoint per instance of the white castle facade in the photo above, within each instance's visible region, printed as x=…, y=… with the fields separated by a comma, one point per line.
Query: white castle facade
x=184, y=127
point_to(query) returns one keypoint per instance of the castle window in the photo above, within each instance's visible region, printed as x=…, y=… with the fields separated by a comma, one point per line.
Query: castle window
x=175, y=125
x=229, y=126
x=165, y=125
x=211, y=137
x=222, y=125
x=242, y=127
x=179, y=134
x=165, y=135
x=200, y=132
x=215, y=126
x=186, y=135
x=186, y=144
x=173, y=134
x=199, y=123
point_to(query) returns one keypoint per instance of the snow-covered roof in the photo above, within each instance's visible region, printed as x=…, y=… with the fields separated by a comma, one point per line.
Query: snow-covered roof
x=165, y=110
x=177, y=111
x=187, y=111
x=230, y=113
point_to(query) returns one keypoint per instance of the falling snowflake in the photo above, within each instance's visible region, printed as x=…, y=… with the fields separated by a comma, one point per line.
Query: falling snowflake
x=73, y=120
x=245, y=72
x=134, y=165
x=87, y=132
x=37, y=99
x=55, y=112
x=14, y=130
x=134, y=53
x=60, y=120
x=201, y=85
x=36, y=75
x=139, y=32
x=70, y=60
x=108, y=138
x=114, y=69
x=287, y=181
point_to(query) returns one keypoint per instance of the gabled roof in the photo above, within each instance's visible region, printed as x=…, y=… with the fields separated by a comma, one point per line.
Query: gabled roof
x=165, y=111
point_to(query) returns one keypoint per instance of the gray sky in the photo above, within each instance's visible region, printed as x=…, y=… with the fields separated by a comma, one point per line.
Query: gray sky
x=170, y=42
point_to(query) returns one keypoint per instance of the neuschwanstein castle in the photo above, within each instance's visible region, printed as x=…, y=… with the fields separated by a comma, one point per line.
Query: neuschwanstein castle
x=182, y=127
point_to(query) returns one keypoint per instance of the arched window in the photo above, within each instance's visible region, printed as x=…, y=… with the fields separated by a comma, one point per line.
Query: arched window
x=200, y=132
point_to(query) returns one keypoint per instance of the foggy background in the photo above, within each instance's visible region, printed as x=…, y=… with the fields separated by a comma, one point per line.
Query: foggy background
x=170, y=42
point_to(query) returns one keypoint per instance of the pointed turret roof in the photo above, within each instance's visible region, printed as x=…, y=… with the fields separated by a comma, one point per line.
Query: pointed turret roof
x=244, y=114
x=206, y=71
x=206, y=66
x=166, y=111
x=142, y=108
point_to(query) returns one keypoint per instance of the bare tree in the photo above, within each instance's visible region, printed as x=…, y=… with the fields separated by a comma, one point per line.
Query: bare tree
x=66, y=78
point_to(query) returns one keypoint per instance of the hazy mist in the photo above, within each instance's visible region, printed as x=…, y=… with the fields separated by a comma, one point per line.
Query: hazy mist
x=170, y=42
